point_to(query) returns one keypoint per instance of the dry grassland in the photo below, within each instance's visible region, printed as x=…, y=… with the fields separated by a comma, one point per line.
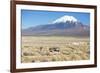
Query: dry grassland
x=53, y=48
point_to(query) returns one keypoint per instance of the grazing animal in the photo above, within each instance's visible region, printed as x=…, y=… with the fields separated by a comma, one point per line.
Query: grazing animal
x=76, y=43
x=54, y=49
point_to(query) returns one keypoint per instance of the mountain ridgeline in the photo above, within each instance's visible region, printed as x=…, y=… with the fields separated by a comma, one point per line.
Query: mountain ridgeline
x=63, y=26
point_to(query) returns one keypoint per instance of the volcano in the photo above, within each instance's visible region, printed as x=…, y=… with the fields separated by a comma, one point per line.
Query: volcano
x=63, y=26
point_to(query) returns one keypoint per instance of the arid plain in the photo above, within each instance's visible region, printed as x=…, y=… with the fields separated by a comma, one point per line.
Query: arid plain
x=54, y=48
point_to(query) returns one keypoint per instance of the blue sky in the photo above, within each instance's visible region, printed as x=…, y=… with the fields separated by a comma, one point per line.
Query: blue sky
x=31, y=18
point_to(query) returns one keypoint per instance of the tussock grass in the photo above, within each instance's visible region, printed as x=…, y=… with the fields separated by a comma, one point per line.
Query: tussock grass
x=37, y=49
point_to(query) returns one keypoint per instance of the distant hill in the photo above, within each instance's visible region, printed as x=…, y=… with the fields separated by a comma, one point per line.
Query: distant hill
x=63, y=26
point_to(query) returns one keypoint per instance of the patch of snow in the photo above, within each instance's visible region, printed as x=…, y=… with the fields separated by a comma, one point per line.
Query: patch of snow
x=65, y=18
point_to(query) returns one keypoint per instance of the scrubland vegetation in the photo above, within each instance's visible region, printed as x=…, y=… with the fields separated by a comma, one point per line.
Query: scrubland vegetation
x=54, y=48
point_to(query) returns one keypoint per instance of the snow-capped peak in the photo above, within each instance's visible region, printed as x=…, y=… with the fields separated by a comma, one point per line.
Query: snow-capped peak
x=65, y=18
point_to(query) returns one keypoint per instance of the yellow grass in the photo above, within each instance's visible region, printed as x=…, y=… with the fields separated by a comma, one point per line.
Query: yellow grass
x=70, y=49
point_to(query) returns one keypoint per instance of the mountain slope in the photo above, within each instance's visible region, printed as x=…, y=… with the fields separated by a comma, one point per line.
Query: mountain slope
x=63, y=26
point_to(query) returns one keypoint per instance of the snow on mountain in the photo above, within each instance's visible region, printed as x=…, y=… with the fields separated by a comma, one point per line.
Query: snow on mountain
x=63, y=26
x=65, y=19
